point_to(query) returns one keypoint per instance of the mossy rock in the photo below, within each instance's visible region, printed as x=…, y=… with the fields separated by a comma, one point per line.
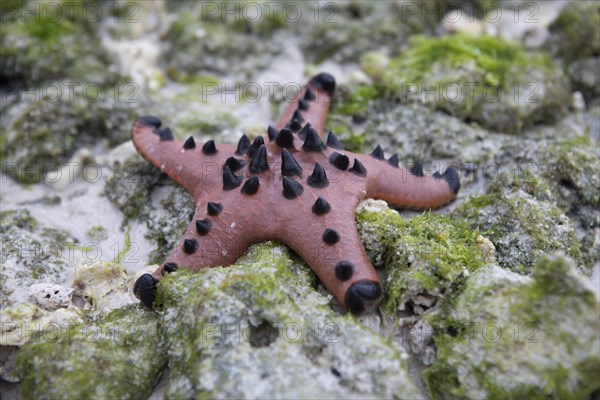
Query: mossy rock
x=416, y=132
x=479, y=78
x=508, y=336
x=584, y=76
x=130, y=185
x=565, y=170
x=575, y=39
x=426, y=258
x=40, y=134
x=261, y=320
x=349, y=29
x=54, y=43
x=202, y=43
x=116, y=355
x=31, y=253
x=575, y=33
x=521, y=228
x=167, y=223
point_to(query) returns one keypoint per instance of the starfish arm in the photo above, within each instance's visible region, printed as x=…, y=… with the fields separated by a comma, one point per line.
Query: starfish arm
x=316, y=95
x=218, y=235
x=404, y=188
x=331, y=246
x=187, y=162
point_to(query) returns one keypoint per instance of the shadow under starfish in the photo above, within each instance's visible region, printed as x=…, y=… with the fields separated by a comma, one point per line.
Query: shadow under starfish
x=288, y=186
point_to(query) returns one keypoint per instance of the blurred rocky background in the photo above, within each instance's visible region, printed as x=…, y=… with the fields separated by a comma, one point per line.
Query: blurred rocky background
x=493, y=296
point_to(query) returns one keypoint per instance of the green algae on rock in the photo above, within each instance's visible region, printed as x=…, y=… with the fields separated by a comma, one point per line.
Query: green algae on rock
x=510, y=336
x=568, y=166
x=564, y=171
x=426, y=258
x=23, y=322
x=97, y=233
x=40, y=134
x=416, y=132
x=30, y=252
x=52, y=41
x=201, y=42
x=259, y=328
x=521, y=228
x=374, y=64
x=165, y=223
x=130, y=185
x=575, y=39
x=348, y=29
x=116, y=355
x=482, y=79
x=130, y=188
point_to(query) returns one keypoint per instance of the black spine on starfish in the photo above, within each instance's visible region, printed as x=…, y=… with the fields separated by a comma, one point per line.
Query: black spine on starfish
x=189, y=144
x=289, y=165
x=259, y=141
x=285, y=138
x=450, y=176
x=259, y=163
x=333, y=141
x=272, y=133
x=358, y=168
x=213, y=208
x=417, y=169
x=344, y=270
x=360, y=293
x=318, y=179
x=312, y=142
x=145, y=289
x=309, y=95
x=302, y=105
x=291, y=189
x=330, y=236
x=209, y=148
x=165, y=134
x=340, y=161
x=150, y=120
x=203, y=226
x=295, y=125
x=251, y=186
x=170, y=267
x=234, y=164
x=323, y=81
x=321, y=206
x=378, y=153
x=298, y=116
x=243, y=146
x=393, y=160
x=230, y=180
x=190, y=246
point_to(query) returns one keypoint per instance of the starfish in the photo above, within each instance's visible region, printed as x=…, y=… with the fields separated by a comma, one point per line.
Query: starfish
x=290, y=186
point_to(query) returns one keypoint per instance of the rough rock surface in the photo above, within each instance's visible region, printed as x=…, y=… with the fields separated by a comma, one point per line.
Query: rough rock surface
x=502, y=337
x=425, y=258
x=51, y=296
x=575, y=39
x=116, y=355
x=482, y=79
x=31, y=253
x=521, y=228
x=238, y=332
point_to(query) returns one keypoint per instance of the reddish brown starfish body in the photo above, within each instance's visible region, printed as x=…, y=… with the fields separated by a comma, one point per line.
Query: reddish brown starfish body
x=288, y=186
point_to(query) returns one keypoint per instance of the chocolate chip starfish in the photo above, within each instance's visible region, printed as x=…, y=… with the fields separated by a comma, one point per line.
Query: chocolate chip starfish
x=288, y=186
